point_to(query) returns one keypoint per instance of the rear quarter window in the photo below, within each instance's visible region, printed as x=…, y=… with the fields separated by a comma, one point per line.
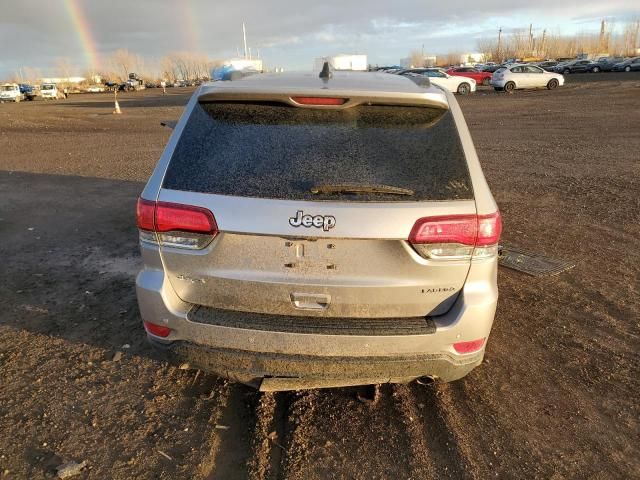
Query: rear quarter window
x=279, y=151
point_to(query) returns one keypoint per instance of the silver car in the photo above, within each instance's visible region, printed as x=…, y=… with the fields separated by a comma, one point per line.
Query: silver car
x=303, y=232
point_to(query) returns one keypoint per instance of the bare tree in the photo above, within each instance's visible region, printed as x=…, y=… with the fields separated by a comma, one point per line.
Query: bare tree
x=122, y=63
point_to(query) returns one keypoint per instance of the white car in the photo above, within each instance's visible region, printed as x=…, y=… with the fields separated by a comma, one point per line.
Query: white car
x=516, y=76
x=95, y=89
x=50, y=91
x=10, y=92
x=439, y=77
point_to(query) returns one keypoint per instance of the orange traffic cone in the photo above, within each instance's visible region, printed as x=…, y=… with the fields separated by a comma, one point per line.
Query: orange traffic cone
x=117, y=109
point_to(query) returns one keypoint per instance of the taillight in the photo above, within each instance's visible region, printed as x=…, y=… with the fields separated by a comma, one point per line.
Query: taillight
x=157, y=330
x=457, y=236
x=175, y=225
x=319, y=100
x=469, y=347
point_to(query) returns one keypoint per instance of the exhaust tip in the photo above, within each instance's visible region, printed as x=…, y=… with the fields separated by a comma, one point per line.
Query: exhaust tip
x=425, y=380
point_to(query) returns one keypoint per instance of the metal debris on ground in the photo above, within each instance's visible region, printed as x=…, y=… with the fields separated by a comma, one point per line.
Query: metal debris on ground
x=70, y=469
x=532, y=263
x=165, y=455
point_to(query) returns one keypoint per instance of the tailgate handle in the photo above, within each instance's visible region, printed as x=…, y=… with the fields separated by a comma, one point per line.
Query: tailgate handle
x=312, y=301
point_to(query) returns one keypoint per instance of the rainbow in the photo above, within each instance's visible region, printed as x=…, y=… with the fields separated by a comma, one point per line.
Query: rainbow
x=191, y=34
x=81, y=25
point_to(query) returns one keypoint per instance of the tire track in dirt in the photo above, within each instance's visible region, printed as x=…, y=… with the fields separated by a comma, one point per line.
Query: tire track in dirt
x=230, y=420
x=270, y=436
x=442, y=431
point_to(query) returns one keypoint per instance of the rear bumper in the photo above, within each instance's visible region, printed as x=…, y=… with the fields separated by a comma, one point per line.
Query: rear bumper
x=283, y=360
x=275, y=372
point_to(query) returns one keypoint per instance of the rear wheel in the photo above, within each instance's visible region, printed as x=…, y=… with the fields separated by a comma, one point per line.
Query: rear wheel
x=509, y=87
x=566, y=71
x=486, y=82
x=595, y=69
x=464, y=88
x=553, y=83
x=627, y=68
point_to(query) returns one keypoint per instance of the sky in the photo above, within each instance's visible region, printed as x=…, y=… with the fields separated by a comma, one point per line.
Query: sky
x=287, y=33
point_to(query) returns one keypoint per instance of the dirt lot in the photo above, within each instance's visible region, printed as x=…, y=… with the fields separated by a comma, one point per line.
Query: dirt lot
x=557, y=396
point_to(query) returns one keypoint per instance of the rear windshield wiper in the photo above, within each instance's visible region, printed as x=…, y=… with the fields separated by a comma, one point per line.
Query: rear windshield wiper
x=360, y=189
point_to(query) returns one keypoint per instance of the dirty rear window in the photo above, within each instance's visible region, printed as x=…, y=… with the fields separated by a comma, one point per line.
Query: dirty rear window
x=279, y=151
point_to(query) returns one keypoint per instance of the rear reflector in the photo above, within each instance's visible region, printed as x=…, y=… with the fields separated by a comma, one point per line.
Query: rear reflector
x=157, y=330
x=469, y=347
x=319, y=100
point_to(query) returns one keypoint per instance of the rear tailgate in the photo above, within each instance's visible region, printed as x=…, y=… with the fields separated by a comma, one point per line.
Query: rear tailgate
x=281, y=248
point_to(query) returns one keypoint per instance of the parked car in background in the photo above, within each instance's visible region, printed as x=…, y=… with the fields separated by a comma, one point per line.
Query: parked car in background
x=632, y=64
x=29, y=91
x=437, y=76
x=491, y=68
x=10, y=92
x=479, y=76
x=547, y=65
x=49, y=91
x=95, y=88
x=519, y=76
x=362, y=248
x=575, y=66
x=604, y=64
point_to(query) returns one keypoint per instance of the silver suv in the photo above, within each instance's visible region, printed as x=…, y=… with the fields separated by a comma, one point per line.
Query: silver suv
x=305, y=232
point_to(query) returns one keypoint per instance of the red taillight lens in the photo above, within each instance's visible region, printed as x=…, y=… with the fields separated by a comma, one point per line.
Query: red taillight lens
x=319, y=100
x=457, y=236
x=183, y=218
x=176, y=225
x=452, y=229
x=145, y=211
x=469, y=347
x=157, y=330
x=489, y=229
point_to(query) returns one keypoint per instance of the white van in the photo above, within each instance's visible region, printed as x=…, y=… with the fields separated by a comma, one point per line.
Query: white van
x=10, y=92
x=50, y=91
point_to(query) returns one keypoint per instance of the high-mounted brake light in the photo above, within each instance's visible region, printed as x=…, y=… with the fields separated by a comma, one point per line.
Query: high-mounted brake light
x=319, y=100
x=457, y=236
x=175, y=224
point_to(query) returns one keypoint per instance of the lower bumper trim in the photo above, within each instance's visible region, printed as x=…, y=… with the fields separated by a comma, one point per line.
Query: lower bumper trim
x=275, y=372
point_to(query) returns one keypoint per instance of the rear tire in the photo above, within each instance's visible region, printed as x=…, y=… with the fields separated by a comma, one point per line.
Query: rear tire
x=595, y=69
x=553, y=83
x=464, y=88
x=566, y=71
x=509, y=87
x=627, y=68
x=486, y=82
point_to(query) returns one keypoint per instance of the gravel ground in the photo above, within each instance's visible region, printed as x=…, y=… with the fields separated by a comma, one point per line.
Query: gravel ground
x=557, y=396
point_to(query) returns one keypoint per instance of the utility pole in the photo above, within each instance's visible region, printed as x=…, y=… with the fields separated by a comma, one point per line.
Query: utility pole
x=530, y=38
x=499, y=44
x=244, y=36
x=542, y=47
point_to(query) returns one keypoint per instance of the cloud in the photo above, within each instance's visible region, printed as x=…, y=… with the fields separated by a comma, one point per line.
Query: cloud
x=288, y=33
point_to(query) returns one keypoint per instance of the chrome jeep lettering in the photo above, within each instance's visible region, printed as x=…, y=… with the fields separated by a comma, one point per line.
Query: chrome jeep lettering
x=326, y=222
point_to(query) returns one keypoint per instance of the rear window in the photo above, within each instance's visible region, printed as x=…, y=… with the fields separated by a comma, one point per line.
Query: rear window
x=279, y=151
